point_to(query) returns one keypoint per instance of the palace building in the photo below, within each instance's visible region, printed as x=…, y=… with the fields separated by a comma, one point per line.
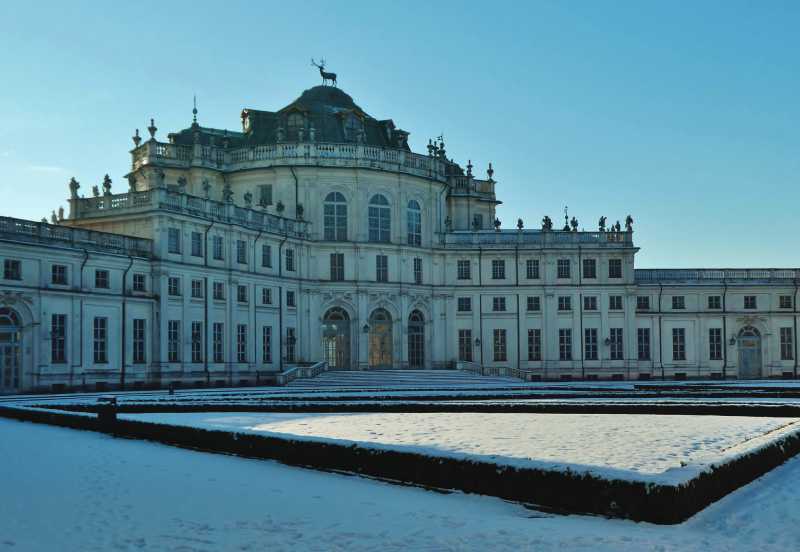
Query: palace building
x=315, y=235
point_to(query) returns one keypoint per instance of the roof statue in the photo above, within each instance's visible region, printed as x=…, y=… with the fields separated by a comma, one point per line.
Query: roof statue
x=325, y=76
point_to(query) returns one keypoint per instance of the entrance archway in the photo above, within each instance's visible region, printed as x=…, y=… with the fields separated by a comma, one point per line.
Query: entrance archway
x=416, y=340
x=10, y=337
x=336, y=339
x=380, y=340
x=749, y=342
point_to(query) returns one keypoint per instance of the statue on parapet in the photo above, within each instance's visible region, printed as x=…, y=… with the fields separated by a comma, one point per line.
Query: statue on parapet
x=248, y=199
x=326, y=77
x=227, y=193
x=53, y=218
x=574, y=224
x=74, y=186
x=60, y=214
x=520, y=224
x=601, y=224
x=629, y=223
x=497, y=224
x=617, y=227
x=95, y=191
x=106, y=185
x=547, y=224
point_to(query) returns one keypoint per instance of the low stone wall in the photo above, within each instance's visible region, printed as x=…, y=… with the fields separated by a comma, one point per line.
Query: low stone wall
x=561, y=491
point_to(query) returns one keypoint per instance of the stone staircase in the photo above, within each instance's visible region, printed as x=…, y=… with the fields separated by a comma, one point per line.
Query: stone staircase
x=403, y=379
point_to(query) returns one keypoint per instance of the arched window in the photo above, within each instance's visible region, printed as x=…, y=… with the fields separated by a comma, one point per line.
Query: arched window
x=414, y=223
x=352, y=128
x=379, y=219
x=335, y=217
x=295, y=122
x=416, y=340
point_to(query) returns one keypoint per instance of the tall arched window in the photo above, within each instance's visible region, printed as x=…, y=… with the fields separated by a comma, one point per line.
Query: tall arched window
x=416, y=340
x=379, y=219
x=295, y=122
x=414, y=223
x=335, y=217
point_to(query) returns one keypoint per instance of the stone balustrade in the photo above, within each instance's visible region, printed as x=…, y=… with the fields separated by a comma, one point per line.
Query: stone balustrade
x=658, y=275
x=554, y=238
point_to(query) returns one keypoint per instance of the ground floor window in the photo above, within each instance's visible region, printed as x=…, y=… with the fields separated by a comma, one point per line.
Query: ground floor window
x=643, y=343
x=787, y=344
x=535, y=344
x=500, y=351
x=465, y=345
x=565, y=344
x=678, y=343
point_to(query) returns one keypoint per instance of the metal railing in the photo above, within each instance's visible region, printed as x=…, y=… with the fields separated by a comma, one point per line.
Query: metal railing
x=657, y=275
x=301, y=372
x=537, y=237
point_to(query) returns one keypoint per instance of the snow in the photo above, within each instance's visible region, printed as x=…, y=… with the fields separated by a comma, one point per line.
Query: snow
x=82, y=491
x=673, y=448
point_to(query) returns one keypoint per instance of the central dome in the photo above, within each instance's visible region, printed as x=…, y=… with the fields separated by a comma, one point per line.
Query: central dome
x=328, y=98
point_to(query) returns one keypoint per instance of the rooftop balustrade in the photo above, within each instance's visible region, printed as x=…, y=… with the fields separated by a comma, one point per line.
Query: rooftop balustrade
x=542, y=238
x=678, y=275
x=26, y=231
x=289, y=154
x=178, y=202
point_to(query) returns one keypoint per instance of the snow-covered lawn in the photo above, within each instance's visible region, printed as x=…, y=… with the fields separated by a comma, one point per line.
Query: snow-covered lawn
x=72, y=490
x=633, y=446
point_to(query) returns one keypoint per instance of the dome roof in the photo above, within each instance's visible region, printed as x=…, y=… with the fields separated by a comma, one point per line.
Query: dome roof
x=325, y=98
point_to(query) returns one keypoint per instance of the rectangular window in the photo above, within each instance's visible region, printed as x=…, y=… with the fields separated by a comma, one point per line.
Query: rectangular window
x=58, y=275
x=615, y=302
x=498, y=304
x=500, y=351
x=241, y=294
x=532, y=269
x=590, y=343
x=218, y=337
x=715, y=344
x=265, y=195
x=643, y=303
x=101, y=279
x=589, y=269
x=615, y=268
x=266, y=296
x=197, y=289
x=417, y=271
x=564, y=303
x=139, y=282
x=565, y=344
x=678, y=302
x=290, y=260
x=714, y=302
x=174, y=286
x=174, y=241
x=266, y=256
x=563, y=271
x=266, y=345
x=290, y=301
x=535, y=344
x=241, y=343
x=465, y=345
x=464, y=272
x=337, y=267
x=590, y=303
x=617, y=350
x=785, y=302
x=173, y=341
x=197, y=342
x=219, y=291
x=58, y=338
x=464, y=304
x=643, y=343
x=498, y=269
x=139, y=341
x=12, y=270
x=381, y=268
x=534, y=303
x=218, y=247
x=241, y=252
x=678, y=344
x=291, y=341
x=787, y=344
x=750, y=301
x=100, y=335
x=197, y=244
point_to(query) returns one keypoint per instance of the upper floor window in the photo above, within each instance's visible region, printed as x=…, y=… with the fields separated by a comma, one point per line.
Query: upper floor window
x=174, y=286
x=749, y=301
x=352, y=128
x=59, y=274
x=12, y=270
x=295, y=122
x=498, y=304
x=643, y=302
x=590, y=269
x=590, y=303
x=218, y=246
x=417, y=270
x=290, y=260
x=265, y=195
x=532, y=269
x=564, y=303
x=498, y=269
x=615, y=268
x=678, y=302
x=414, y=223
x=714, y=302
x=381, y=268
x=101, y=279
x=379, y=219
x=335, y=217
x=174, y=240
x=534, y=303
x=241, y=251
x=563, y=268
x=464, y=272
x=290, y=299
x=615, y=302
x=139, y=282
x=464, y=304
x=266, y=256
x=785, y=302
x=337, y=267
x=197, y=244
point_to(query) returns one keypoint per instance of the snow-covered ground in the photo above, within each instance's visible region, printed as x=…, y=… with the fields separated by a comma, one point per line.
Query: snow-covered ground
x=71, y=490
x=638, y=447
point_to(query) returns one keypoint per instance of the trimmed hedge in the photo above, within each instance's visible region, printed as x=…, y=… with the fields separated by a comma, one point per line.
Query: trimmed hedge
x=561, y=491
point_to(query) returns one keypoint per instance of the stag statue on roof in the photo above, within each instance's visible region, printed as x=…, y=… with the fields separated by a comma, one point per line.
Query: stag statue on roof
x=325, y=76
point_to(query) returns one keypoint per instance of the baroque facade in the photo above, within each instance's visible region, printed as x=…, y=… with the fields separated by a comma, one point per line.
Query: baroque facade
x=316, y=234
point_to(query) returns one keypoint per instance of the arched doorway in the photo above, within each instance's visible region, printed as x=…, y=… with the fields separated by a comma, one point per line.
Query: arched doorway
x=380, y=340
x=416, y=340
x=10, y=337
x=336, y=339
x=749, y=342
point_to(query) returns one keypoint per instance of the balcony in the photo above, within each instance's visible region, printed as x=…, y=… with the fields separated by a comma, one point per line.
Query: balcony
x=27, y=231
x=132, y=203
x=289, y=154
x=556, y=238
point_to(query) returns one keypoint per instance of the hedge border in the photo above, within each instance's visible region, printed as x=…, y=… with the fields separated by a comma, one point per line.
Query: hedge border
x=561, y=491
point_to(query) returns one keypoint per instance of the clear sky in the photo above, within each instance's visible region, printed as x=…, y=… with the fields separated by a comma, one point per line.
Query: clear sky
x=683, y=113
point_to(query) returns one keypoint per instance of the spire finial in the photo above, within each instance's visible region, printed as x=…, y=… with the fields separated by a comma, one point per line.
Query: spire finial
x=194, y=110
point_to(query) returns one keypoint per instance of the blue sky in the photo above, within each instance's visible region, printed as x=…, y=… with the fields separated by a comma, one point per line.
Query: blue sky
x=684, y=114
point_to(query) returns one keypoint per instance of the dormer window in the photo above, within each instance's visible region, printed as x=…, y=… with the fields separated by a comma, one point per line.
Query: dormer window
x=295, y=123
x=352, y=128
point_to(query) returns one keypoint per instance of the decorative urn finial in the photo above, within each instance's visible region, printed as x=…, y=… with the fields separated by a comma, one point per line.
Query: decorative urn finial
x=136, y=138
x=469, y=168
x=490, y=172
x=520, y=224
x=152, y=129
